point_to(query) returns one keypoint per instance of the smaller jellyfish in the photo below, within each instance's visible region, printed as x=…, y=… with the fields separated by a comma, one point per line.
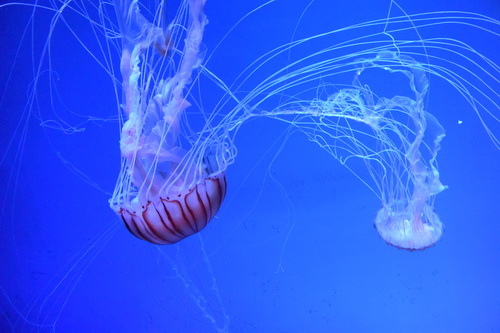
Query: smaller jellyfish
x=396, y=140
x=389, y=143
x=409, y=222
x=407, y=219
x=172, y=180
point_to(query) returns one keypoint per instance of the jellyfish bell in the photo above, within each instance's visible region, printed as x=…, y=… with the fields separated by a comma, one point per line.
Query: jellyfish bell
x=168, y=220
x=171, y=183
x=403, y=227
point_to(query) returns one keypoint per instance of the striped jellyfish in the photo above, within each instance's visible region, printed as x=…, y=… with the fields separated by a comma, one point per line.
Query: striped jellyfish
x=172, y=180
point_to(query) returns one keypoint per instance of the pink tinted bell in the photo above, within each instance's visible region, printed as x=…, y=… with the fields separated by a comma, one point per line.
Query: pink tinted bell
x=409, y=231
x=173, y=218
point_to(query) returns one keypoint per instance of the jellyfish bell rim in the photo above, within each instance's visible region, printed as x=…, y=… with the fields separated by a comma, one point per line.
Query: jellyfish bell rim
x=401, y=230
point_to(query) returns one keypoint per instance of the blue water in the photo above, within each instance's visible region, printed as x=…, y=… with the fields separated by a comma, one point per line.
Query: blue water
x=293, y=248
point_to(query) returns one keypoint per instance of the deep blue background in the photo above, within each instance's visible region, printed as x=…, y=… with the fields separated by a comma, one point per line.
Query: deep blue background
x=292, y=249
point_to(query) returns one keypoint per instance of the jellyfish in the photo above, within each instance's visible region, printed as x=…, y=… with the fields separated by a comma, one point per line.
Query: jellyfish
x=165, y=192
x=407, y=219
x=396, y=139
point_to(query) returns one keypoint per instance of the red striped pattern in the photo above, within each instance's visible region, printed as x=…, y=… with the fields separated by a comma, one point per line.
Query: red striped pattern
x=173, y=219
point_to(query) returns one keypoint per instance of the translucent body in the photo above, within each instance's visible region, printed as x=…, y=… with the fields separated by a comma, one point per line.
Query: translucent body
x=408, y=228
x=387, y=135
